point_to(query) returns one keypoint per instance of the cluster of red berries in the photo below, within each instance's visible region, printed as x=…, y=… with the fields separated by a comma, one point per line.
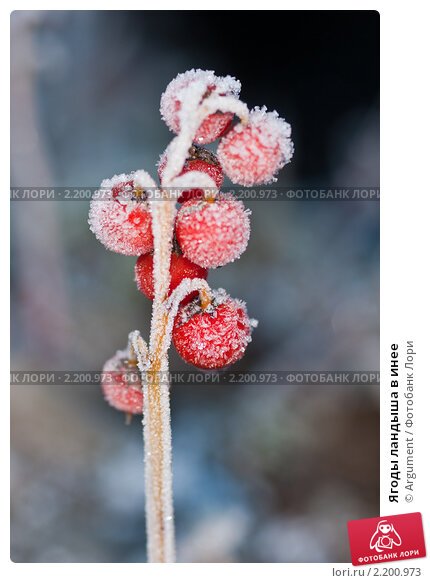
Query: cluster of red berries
x=209, y=231
x=251, y=152
x=208, y=234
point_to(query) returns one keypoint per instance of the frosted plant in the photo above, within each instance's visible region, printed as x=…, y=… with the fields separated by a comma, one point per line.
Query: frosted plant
x=131, y=215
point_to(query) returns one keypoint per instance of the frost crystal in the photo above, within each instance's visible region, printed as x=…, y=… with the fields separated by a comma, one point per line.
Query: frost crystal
x=138, y=348
x=187, y=89
x=119, y=215
x=191, y=101
x=122, y=385
x=212, y=234
x=215, y=337
x=253, y=153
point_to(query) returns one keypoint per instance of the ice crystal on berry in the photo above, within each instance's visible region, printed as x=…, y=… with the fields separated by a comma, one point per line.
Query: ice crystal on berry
x=214, y=337
x=191, y=88
x=119, y=215
x=253, y=153
x=198, y=160
x=212, y=234
x=180, y=268
x=122, y=385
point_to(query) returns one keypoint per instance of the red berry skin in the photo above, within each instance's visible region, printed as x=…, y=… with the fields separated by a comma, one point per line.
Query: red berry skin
x=180, y=268
x=252, y=154
x=212, y=234
x=213, y=338
x=200, y=160
x=121, y=188
x=214, y=125
x=120, y=219
x=122, y=386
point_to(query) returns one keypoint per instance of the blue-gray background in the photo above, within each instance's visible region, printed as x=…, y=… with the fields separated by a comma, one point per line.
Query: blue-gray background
x=260, y=473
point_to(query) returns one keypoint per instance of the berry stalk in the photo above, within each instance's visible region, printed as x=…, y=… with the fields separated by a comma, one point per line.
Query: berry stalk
x=156, y=399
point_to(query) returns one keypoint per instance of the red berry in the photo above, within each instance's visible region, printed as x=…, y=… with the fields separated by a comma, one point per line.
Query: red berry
x=215, y=337
x=119, y=216
x=180, y=268
x=213, y=127
x=212, y=234
x=253, y=153
x=122, y=385
x=204, y=82
x=200, y=160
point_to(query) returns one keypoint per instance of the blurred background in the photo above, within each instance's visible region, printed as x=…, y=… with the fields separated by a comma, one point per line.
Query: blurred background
x=261, y=473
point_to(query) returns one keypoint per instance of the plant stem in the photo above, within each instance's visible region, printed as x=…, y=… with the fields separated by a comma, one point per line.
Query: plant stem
x=156, y=399
x=157, y=435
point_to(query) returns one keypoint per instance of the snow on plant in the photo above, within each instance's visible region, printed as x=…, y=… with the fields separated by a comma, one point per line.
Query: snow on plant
x=131, y=215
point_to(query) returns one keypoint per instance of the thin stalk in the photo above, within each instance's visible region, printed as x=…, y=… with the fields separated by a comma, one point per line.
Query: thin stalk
x=156, y=414
x=156, y=391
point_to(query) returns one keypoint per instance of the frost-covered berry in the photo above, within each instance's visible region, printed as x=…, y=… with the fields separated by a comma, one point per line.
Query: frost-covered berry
x=180, y=268
x=193, y=87
x=253, y=153
x=119, y=216
x=199, y=160
x=122, y=386
x=214, y=337
x=213, y=233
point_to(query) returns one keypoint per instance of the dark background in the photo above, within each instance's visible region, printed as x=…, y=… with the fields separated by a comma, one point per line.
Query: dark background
x=260, y=473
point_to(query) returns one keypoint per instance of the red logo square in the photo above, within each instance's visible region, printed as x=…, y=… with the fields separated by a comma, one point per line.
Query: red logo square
x=387, y=538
